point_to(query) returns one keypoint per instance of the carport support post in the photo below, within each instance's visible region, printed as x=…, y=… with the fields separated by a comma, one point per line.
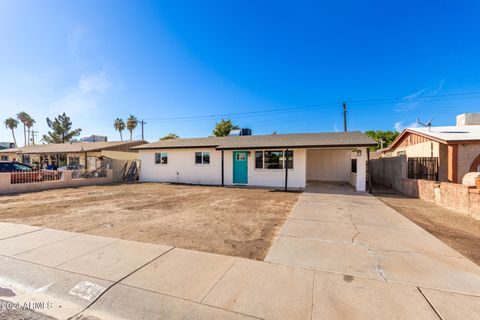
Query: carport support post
x=286, y=169
x=223, y=174
x=369, y=168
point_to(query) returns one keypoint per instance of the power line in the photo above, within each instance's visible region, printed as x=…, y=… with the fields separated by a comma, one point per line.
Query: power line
x=323, y=106
x=252, y=113
x=417, y=97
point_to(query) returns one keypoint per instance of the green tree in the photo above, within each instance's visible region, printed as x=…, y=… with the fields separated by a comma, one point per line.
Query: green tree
x=23, y=118
x=223, y=128
x=119, y=125
x=12, y=124
x=170, y=136
x=132, y=123
x=61, y=130
x=386, y=136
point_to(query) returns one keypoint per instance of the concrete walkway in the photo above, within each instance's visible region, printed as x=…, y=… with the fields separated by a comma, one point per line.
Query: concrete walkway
x=340, y=255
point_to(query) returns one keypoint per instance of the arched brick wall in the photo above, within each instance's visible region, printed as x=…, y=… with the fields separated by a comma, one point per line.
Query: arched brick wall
x=475, y=165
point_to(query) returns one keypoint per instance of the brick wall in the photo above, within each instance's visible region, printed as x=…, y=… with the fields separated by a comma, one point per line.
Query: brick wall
x=443, y=162
x=452, y=151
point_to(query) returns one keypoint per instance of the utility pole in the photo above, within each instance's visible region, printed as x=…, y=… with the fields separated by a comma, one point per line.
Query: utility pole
x=33, y=132
x=345, y=116
x=143, y=123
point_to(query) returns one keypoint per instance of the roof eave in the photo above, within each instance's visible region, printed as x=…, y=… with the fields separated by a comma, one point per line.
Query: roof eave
x=264, y=147
x=173, y=147
x=297, y=146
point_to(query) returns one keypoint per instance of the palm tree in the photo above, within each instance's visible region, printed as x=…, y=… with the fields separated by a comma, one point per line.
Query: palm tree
x=119, y=125
x=132, y=123
x=23, y=118
x=29, y=123
x=12, y=124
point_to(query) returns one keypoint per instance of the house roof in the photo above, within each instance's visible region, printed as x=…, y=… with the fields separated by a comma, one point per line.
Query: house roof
x=69, y=147
x=445, y=134
x=299, y=140
x=451, y=133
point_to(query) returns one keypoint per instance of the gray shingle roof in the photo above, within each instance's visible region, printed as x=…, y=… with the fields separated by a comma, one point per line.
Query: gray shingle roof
x=298, y=140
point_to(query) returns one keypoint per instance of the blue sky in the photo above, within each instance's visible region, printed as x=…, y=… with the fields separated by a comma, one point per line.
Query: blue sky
x=268, y=65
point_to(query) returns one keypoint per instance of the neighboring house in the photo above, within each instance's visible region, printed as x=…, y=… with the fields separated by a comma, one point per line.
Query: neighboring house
x=275, y=160
x=6, y=145
x=94, y=138
x=456, y=147
x=80, y=154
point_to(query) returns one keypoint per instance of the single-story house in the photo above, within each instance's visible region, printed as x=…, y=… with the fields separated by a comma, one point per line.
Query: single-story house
x=276, y=160
x=457, y=148
x=86, y=155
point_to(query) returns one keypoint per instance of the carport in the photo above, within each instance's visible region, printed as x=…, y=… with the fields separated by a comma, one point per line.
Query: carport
x=337, y=165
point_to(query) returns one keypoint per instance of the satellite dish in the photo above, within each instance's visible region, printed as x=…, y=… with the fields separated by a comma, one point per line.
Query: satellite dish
x=428, y=124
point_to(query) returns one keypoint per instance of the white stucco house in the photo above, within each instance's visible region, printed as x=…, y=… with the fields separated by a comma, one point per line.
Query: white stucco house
x=277, y=160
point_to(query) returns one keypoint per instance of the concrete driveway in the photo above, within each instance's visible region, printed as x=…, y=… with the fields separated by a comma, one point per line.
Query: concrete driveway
x=340, y=255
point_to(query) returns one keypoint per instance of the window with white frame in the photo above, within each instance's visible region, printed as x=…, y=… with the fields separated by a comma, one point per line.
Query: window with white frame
x=161, y=158
x=274, y=159
x=202, y=157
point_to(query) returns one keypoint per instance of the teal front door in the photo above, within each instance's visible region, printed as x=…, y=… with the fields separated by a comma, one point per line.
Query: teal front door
x=240, y=167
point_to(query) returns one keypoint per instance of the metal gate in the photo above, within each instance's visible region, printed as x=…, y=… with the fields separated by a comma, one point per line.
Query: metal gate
x=423, y=168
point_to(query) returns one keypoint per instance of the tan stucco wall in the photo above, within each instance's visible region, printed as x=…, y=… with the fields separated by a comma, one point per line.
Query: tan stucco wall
x=10, y=156
x=424, y=149
x=466, y=155
x=453, y=196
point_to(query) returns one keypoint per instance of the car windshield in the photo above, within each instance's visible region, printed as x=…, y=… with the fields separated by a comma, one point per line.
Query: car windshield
x=21, y=167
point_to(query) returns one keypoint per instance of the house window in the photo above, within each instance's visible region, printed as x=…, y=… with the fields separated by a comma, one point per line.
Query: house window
x=4, y=158
x=202, y=157
x=354, y=165
x=73, y=161
x=273, y=159
x=161, y=158
x=240, y=156
x=258, y=159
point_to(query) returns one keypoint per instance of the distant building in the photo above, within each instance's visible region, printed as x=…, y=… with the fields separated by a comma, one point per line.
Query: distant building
x=86, y=155
x=241, y=132
x=7, y=145
x=94, y=138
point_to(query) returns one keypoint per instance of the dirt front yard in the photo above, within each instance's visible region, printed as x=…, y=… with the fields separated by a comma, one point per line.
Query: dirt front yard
x=459, y=232
x=232, y=221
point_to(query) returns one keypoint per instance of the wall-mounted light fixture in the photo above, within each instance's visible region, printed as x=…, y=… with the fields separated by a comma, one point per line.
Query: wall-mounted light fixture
x=359, y=153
